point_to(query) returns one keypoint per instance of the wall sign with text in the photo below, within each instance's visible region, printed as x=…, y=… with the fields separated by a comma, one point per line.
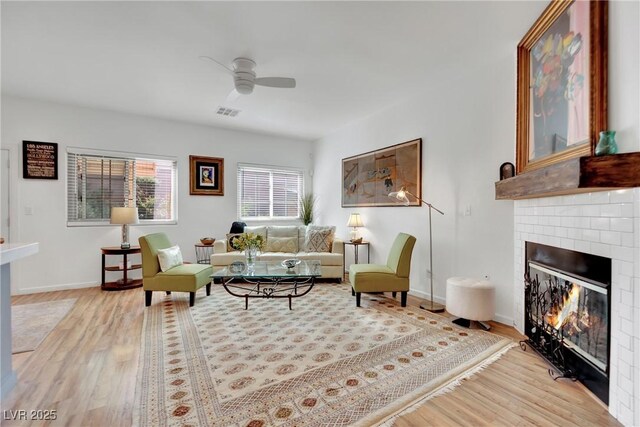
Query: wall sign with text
x=39, y=160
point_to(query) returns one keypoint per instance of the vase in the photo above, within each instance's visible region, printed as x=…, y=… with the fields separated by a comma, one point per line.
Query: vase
x=251, y=254
x=607, y=143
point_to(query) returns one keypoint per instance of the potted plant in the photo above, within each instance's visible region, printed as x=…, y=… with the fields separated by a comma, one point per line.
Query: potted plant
x=306, y=208
x=250, y=243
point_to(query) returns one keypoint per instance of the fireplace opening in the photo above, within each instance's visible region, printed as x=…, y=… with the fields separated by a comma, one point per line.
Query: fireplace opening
x=567, y=306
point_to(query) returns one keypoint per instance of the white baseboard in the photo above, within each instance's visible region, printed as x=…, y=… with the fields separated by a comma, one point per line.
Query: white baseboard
x=60, y=287
x=421, y=294
x=505, y=320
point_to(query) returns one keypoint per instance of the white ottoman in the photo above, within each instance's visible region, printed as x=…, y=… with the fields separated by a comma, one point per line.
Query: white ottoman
x=471, y=300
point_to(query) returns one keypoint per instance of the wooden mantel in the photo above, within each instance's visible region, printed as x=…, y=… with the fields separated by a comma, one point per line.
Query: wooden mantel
x=578, y=175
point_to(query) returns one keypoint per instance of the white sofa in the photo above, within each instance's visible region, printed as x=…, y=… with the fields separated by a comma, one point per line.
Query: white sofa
x=331, y=263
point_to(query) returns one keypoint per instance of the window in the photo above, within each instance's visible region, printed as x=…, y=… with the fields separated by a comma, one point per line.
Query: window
x=100, y=180
x=268, y=192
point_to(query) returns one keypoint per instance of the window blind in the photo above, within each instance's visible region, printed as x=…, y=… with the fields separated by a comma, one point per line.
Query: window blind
x=98, y=182
x=266, y=192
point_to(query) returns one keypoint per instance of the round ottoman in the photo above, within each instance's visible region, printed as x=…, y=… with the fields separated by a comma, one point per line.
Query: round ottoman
x=471, y=300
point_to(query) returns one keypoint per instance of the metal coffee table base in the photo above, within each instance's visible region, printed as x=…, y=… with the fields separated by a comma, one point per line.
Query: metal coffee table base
x=275, y=287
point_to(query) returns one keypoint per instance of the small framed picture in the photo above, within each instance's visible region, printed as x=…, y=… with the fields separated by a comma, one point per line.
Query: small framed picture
x=206, y=176
x=39, y=160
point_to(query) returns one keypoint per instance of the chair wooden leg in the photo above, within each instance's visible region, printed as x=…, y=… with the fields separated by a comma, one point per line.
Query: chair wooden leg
x=147, y=298
x=358, y=298
x=208, y=289
x=353, y=292
x=393, y=294
x=403, y=299
x=192, y=299
x=168, y=292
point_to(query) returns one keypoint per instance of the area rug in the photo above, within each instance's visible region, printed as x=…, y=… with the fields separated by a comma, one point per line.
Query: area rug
x=325, y=362
x=31, y=323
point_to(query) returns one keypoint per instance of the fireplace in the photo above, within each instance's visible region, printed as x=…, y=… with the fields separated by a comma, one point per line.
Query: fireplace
x=567, y=312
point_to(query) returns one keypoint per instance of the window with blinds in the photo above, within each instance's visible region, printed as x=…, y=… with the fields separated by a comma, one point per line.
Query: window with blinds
x=266, y=192
x=98, y=181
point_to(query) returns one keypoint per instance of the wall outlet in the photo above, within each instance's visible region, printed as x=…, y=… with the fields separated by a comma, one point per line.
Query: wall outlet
x=28, y=210
x=467, y=210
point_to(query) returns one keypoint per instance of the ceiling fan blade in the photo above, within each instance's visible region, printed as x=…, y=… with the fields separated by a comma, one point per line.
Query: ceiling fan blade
x=281, y=82
x=232, y=97
x=208, y=58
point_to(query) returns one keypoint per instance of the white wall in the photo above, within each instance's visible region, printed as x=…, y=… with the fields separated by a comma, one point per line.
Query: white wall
x=467, y=121
x=70, y=256
x=467, y=133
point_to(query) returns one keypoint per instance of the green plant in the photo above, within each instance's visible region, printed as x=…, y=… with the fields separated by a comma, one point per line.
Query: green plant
x=249, y=241
x=307, y=203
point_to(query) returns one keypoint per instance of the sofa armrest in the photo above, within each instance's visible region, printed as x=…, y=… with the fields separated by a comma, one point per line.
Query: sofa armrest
x=337, y=247
x=220, y=246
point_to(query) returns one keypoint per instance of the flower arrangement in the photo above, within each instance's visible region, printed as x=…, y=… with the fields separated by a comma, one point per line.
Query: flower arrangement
x=248, y=241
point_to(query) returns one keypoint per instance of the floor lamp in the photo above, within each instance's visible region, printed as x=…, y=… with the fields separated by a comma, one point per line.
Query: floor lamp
x=401, y=195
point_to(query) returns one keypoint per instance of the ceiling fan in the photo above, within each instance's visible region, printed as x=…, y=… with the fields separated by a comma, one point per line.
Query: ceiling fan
x=244, y=78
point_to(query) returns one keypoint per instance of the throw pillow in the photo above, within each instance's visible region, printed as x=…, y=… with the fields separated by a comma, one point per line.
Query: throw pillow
x=169, y=258
x=282, y=244
x=230, y=238
x=319, y=240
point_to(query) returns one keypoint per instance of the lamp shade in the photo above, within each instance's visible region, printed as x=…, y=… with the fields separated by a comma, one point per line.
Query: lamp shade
x=355, y=220
x=124, y=215
x=400, y=196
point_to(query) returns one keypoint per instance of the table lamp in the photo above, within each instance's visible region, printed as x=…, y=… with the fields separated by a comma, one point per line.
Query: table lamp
x=355, y=221
x=402, y=197
x=124, y=217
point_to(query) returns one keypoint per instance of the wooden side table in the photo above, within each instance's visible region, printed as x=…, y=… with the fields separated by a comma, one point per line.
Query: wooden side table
x=203, y=253
x=355, y=254
x=125, y=282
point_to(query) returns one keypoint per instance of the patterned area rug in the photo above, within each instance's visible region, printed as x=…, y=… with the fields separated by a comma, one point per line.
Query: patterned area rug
x=325, y=362
x=31, y=323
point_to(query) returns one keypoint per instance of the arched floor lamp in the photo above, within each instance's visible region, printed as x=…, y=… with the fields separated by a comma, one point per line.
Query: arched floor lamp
x=401, y=196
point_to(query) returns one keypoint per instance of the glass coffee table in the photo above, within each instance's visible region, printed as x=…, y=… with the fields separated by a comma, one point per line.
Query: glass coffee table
x=268, y=279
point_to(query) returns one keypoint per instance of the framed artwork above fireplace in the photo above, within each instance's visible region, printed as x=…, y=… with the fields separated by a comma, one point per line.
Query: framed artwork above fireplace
x=562, y=84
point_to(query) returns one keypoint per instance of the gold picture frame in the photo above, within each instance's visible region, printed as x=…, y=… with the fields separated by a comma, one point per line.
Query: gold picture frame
x=562, y=84
x=206, y=176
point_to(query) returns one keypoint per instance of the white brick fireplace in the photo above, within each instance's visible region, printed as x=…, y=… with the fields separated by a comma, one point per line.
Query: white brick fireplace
x=603, y=223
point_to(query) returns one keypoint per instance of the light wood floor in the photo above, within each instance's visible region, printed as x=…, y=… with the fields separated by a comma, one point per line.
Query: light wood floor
x=86, y=370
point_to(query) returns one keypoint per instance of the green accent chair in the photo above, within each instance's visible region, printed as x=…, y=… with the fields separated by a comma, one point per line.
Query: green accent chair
x=182, y=278
x=392, y=277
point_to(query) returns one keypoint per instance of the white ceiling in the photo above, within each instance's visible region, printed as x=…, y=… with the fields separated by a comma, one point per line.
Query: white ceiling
x=350, y=59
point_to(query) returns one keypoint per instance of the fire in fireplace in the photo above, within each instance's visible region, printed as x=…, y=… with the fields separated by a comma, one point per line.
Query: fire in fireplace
x=567, y=313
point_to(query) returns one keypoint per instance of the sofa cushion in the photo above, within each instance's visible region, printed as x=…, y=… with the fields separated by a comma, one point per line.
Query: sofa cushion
x=319, y=239
x=169, y=257
x=282, y=231
x=325, y=258
x=302, y=235
x=282, y=244
x=227, y=258
x=275, y=256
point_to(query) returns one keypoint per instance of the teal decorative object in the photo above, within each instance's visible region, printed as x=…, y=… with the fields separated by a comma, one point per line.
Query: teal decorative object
x=607, y=144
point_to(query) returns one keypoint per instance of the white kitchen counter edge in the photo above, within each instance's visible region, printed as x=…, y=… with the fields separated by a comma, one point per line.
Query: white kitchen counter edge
x=10, y=252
